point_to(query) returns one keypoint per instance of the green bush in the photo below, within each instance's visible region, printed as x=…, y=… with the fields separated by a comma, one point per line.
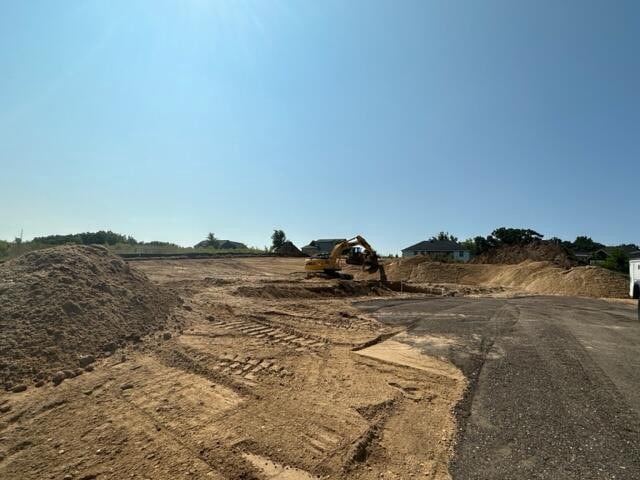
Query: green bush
x=618, y=260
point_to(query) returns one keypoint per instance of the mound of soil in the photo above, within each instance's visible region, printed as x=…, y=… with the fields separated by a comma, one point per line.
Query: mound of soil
x=537, y=252
x=59, y=304
x=531, y=277
x=288, y=249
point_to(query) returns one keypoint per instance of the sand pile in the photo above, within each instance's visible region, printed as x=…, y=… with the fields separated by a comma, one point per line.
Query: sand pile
x=539, y=252
x=59, y=304
x=528, y=276
x=288, y=249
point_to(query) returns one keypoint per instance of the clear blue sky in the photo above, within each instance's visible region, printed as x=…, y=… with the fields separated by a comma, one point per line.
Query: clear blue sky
x=167, y=119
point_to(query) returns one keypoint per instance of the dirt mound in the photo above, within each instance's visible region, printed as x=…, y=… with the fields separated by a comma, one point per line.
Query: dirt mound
x=288, y=249
x=61, y=303
x=341, y=288
x=530, y=277
x=538, y=252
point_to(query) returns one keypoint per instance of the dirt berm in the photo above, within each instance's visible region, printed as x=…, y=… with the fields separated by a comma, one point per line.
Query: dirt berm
x=543, y=278
x=538, y=252
x=61, y=303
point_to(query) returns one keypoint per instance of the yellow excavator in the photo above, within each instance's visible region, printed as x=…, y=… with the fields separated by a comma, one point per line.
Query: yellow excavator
x=329, y=264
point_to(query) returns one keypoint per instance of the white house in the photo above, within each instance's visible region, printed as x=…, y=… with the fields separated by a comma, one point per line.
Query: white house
x=438, y=249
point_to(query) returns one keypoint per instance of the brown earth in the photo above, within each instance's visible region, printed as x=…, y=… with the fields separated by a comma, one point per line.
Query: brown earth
x=531, y=277
x=259, y=372
x=538, y=252
x=272, y=376
x=61, y=303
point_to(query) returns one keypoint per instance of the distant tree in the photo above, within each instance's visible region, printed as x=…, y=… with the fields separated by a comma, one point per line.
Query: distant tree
x=628, y=247
x=4, y=248
x=617, y=260
x=87, y=238
x=278, y=238
x=17, y=240
x=470, y=244
x=516, y=236
x=444, y=236
x=156, y=243
x=483, y=244
x=212, y=241
x=586, y=244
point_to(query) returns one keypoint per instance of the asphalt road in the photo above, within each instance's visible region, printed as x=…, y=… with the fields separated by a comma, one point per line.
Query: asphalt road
x=554, y=383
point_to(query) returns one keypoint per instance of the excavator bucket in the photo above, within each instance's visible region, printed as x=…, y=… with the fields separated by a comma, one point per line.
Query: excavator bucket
x=370, y=263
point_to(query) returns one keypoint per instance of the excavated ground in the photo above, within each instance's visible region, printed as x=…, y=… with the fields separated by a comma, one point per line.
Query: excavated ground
x=267, y=375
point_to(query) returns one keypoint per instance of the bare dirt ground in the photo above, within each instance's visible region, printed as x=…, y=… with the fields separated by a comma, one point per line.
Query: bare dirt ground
x=267, y=375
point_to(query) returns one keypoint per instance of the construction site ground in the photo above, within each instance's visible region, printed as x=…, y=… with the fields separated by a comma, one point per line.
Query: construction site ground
x=267, y=374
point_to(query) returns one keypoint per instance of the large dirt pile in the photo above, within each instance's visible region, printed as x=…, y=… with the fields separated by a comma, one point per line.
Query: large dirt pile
x=288, y=249
x=538, y=252
x=530, y=277
x=61, y=303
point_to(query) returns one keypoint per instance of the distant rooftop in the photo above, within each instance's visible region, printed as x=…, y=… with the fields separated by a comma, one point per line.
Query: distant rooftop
x=435, y=246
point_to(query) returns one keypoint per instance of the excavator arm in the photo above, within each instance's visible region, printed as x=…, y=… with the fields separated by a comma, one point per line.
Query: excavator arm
x=368, y=258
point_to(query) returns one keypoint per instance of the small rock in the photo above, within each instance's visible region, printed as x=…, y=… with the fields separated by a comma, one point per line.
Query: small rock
x=78, y=371
x=126, y=386
x=69, y=373
x=110, y=347
x=166, y=335
x=85, y=360
x=5, y=408
x=39, y=383
x=71, y=309
x=58, y=377
x=19, y=388
x=88, y=368
x=68, y=476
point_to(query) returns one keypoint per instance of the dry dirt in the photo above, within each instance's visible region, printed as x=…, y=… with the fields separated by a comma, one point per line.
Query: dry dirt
x=538, y=252
x=61, y=303
x=528, y=277
x=260, y=373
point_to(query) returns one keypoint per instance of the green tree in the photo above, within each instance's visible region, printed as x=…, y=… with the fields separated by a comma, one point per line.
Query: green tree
x=444, y=236
x=586, y=244
x=212, y=241
x=617, y=260
x=516, y=236
x=470, y=244
x=278, y=238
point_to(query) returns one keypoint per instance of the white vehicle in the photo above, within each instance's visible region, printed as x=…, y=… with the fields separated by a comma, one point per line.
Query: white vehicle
x=634, y=275
x=634, y=278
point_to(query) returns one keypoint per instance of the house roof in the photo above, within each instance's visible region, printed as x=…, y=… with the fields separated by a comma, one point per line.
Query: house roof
x=327, y=240
x=232, y=244
x=435, y=246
